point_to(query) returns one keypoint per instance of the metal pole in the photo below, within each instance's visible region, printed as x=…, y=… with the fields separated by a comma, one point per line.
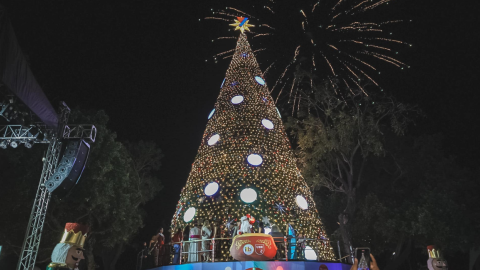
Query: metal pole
x=213, y=250
x=286, y=248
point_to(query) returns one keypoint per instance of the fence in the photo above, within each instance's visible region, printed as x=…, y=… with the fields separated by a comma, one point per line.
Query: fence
x=300, y=249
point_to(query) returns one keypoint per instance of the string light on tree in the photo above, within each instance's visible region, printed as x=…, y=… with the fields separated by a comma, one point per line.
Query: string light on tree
x=245, y=164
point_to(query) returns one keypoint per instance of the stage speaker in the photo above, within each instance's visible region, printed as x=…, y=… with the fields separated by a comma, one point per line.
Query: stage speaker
x=70, y=168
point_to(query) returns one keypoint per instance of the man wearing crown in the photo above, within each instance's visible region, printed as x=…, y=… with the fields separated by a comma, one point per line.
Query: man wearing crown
x=69, y=252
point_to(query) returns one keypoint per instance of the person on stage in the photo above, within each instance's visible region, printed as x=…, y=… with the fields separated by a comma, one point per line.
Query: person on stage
x=176, y=239
x=206, y=233
x=69, y=252
x=194, y=247
x=245, y=226
x=157, y=244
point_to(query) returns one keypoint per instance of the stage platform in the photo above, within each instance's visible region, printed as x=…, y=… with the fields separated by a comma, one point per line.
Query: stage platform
x=251, y=265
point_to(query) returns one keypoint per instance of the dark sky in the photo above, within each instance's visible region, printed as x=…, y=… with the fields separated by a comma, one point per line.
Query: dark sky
x=144, y=63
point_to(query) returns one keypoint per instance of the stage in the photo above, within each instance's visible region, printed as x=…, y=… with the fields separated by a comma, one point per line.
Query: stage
x=256, y=265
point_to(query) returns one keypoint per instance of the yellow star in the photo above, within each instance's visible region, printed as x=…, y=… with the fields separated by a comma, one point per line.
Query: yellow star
x=242, y=26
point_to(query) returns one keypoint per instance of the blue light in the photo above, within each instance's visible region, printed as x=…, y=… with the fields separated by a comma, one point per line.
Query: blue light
x=244, y=21
x=234, y=83
x=259, y=80
x=244, y=55
x=211, y=114
x=223, y=82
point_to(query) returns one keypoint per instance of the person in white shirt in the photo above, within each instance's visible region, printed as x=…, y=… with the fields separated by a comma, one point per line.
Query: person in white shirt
x=194, y=247
x=206, y=233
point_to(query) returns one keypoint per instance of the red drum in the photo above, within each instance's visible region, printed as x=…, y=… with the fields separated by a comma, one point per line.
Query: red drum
x=253, y=247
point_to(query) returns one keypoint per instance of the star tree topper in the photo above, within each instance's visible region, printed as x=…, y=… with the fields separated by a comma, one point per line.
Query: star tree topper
x=241, y=23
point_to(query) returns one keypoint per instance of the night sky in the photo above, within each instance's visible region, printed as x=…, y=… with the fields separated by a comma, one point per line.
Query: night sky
x=143, y=62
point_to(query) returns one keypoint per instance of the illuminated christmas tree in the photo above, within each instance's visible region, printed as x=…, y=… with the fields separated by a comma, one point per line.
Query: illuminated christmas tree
x=245, y=164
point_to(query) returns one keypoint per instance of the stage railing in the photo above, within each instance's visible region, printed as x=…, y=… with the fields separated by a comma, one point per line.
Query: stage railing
x=282, y=243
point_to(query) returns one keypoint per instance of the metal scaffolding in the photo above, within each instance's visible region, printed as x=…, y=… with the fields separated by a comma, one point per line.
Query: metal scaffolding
x=54, y=138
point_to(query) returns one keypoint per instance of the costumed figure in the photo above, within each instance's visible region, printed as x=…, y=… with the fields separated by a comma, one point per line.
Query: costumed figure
x=435, y=260
x=157, y=247
x=176, y=241
x=206, y=233
x=245, y=226
x=69, y=252
x=194, y=247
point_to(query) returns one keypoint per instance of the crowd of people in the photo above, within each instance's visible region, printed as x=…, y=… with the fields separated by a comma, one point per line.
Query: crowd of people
x=197, y=246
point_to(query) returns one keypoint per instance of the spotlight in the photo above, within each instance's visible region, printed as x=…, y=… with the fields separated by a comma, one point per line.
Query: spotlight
x=3, y=145
x=28, y=145
x=13, y=144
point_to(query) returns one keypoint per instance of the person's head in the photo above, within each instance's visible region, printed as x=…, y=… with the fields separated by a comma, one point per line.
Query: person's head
x=275, y=228
x=160, y=230
x=179, y=231
x=144, y=244
x=206, y=223
x=260, y=224
x=67, y=254
x=437, y=264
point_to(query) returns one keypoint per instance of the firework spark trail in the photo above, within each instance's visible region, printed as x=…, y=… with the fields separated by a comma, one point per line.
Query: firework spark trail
x=381, y=58
x=217, y=18
x=227, y=14
x=361, y=3
x=303, y=13
x=388, y=57
x=259, y=50
x=360, y=70
x=388, y=22
x=366, y=75
x=260, y=35
x=378, y=47
x=293, y=85
x=360, y=87
x=354, y=74
x=361, y=61
x=280, y=93
x=352, y=40
x=271, y=10
x=268, y=68
x=332, y=46
x=239, y=11
x=336, y=5
x=266, y=25
x=338, y=41
x=225, y=52
x=329, y=64
x=348, y=86
x=376, y=4
x=386, y=39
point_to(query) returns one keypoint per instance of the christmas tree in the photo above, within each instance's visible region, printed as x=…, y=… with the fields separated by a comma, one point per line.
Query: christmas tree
x=245, y=164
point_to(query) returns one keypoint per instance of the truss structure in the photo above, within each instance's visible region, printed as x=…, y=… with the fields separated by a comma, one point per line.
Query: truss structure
x=36, y=222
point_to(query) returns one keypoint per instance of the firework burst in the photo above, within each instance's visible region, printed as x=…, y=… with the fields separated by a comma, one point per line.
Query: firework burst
x=345, y=42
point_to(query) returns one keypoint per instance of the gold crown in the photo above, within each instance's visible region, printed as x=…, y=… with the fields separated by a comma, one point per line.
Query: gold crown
x=433, y=252
x=76, y=239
